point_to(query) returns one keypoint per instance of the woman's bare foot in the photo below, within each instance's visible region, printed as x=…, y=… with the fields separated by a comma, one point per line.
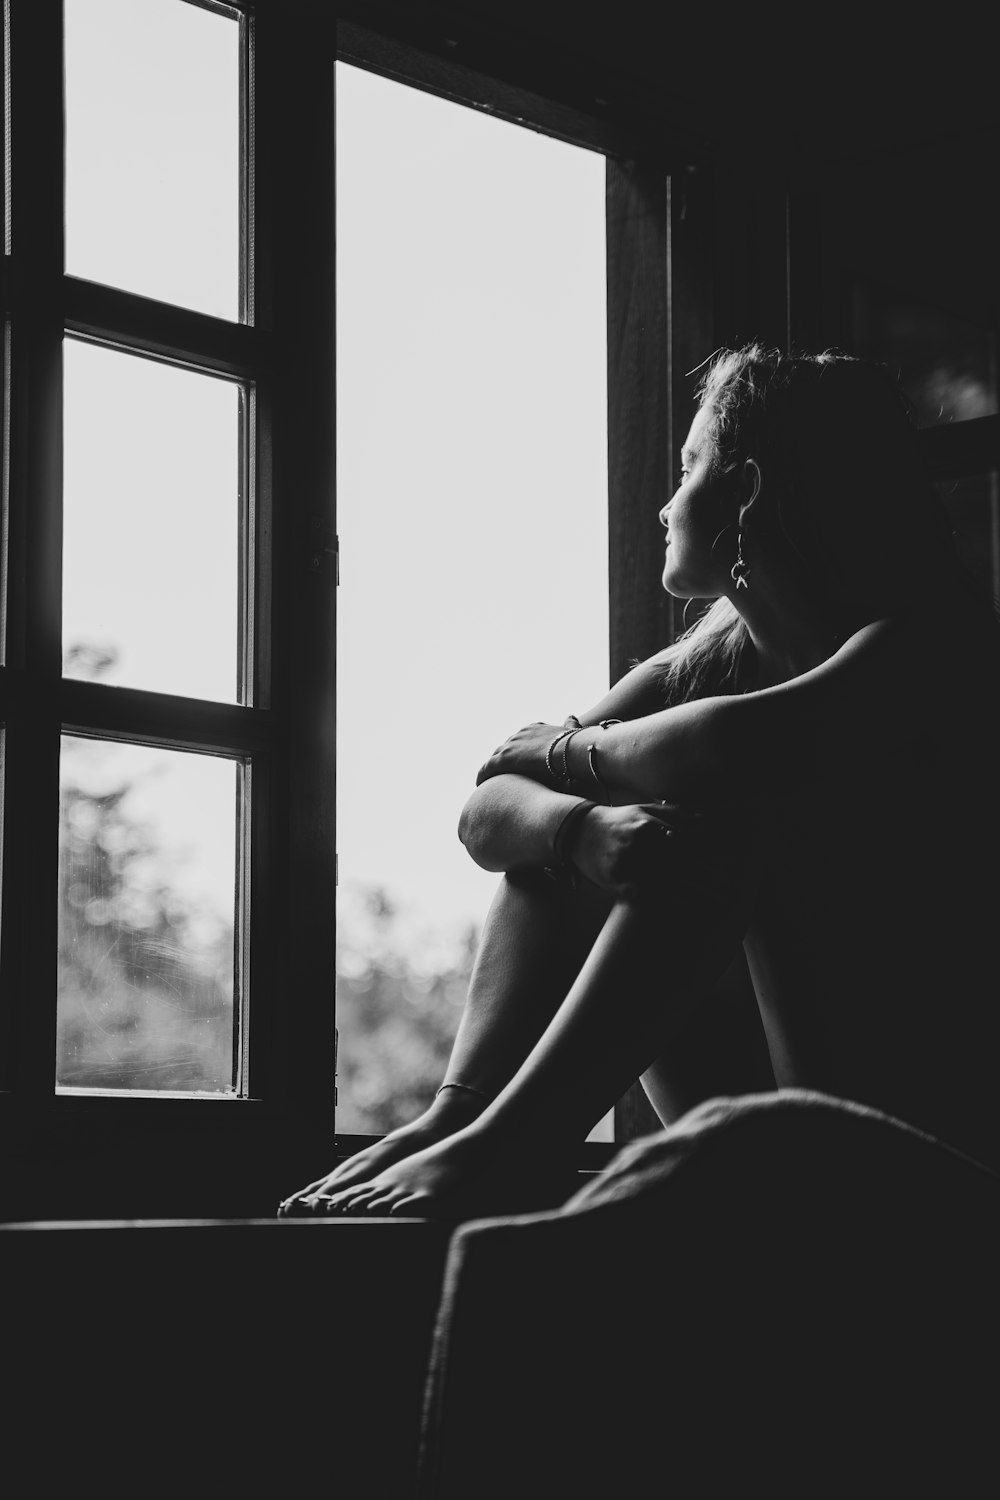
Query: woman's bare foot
x=469, y=1174
x=450, y=1112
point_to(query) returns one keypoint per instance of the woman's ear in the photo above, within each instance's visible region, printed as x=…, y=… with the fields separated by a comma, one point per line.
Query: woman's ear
x=751, y=488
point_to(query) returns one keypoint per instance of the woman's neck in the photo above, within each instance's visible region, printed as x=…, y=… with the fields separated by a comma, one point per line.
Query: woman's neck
x=789, y=637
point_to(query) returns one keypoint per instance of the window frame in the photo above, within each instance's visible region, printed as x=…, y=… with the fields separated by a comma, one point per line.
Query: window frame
x=743, y=240
x=285, y=355
x=675, y=219
x=642, y=237
x=282, y=355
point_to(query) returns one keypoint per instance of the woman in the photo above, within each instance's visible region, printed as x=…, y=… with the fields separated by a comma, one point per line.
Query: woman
x=810, y=771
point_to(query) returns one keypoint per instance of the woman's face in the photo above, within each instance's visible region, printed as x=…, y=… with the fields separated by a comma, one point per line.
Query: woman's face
x=703, y=505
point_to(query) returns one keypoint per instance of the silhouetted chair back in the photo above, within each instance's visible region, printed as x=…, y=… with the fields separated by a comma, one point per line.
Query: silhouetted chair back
x=783, y=1295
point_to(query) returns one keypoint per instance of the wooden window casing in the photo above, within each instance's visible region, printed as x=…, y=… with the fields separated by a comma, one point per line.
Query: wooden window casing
x=281, y=354
x=642, y=429
x=698, y=254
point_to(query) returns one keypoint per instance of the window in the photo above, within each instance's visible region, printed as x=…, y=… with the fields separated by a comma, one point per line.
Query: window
x=156, y=578
x=149, y=883
x=472, y=517
x=170, y=564
x=165, y=707
x=152, y=190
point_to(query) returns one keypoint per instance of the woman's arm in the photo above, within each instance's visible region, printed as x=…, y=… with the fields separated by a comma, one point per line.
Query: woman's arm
x=512, y=821
x=740, y=748
x=729, y=749
x=517, y=823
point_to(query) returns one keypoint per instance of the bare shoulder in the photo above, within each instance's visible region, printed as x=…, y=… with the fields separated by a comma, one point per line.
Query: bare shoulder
x=897, y=683
x=906, y=662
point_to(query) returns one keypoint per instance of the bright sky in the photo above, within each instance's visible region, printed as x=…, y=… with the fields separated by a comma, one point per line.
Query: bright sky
x=472, y=467
x=472, y=483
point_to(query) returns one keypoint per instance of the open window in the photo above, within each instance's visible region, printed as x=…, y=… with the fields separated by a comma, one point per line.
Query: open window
x=187, y=350
x=170, y=549
x=166, y=682
x=473, y=534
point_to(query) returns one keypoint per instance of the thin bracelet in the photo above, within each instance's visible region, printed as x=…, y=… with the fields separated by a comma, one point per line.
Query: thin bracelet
x=466, y=1086
x=592, y=763
x=592, y=758
x=573, y=816
x=566, y=777
x=562, y=735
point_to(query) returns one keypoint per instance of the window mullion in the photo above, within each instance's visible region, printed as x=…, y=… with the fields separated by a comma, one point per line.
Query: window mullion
x=34, y=637
x=639, y=442
x=294, y=184
x=145, y=326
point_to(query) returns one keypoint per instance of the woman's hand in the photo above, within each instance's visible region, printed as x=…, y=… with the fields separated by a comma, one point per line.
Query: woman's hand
x=619, y=848
x=523, y=754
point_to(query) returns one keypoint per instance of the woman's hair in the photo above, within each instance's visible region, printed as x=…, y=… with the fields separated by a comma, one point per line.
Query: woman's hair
x=844, y=494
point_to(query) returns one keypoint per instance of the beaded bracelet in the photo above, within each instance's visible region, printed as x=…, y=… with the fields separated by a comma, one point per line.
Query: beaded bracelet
x=566, y=777
x=564, y=734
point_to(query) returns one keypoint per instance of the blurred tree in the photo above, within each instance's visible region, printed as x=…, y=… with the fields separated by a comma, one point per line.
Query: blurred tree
x=399, y=998
x=140, y=1005
x=146, y=1001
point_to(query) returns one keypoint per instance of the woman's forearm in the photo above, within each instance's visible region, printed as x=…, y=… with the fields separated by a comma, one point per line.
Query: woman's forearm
x=708, y=752
x=678, y=755
x=511, y=822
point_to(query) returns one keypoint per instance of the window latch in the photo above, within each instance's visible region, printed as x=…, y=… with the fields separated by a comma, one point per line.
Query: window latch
x=323, y=543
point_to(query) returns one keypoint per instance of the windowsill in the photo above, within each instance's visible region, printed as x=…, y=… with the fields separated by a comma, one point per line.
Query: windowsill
x=438, y=1227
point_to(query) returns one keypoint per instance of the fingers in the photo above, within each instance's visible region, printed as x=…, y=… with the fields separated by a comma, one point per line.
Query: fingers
x=523, y=745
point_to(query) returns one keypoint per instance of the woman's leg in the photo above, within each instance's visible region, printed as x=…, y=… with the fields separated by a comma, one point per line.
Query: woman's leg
x=537, y=933
x=655, y=956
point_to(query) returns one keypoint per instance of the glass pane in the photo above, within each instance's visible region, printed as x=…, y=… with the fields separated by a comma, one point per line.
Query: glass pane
x=147, y=881
x=153, y=150
x=151, y=550
x=472, y=510
x=946, y=366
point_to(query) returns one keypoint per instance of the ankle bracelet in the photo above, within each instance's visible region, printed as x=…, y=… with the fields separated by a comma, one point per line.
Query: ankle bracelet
x=466, y=1086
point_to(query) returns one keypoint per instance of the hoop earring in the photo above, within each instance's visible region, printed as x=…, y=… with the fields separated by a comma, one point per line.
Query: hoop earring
x=741, y=568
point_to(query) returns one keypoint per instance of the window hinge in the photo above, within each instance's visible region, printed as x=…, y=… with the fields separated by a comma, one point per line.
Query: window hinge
x=336, y=869
x=336, y=1057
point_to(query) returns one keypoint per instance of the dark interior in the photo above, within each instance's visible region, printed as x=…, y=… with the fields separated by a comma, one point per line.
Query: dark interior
x=811, y=178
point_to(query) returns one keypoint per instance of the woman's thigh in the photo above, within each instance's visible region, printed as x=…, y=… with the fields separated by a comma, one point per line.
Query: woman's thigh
x=721, y=1047
x=721, y=1051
